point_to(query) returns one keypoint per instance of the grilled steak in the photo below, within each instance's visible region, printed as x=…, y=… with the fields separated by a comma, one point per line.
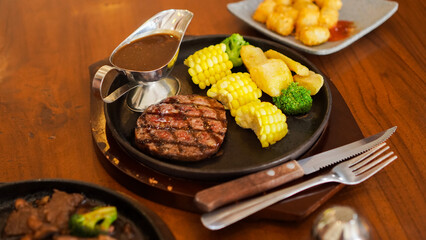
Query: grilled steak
x=182, y=127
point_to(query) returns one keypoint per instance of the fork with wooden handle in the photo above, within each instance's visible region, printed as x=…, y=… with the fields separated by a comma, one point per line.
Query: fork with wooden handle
x=252, y=184
x=350, y=172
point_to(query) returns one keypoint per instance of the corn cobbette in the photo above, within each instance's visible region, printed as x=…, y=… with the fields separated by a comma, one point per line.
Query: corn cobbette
x=234, y=91
x=209, y=65
x=265, y=119
x=269, y=72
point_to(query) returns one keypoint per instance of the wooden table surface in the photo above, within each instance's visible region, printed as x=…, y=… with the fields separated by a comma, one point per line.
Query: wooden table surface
x=46, y=47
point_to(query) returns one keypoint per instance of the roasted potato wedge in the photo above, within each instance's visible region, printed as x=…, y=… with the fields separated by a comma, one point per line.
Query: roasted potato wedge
x=294, y=66
x=272, y=76
x=313, y=82
x=252, y=56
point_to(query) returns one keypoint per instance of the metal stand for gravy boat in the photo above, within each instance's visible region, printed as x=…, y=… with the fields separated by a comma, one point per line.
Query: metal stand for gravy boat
x=150, y=87
x=141, y=97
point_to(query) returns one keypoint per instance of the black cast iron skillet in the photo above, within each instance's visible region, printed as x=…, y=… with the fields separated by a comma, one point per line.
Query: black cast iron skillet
x=240, y=152
x=146, y=223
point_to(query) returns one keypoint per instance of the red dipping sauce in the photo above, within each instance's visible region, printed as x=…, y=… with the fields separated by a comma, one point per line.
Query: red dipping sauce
x=341, y=30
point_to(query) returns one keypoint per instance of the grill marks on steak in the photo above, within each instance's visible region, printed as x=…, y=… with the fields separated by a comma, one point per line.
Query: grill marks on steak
x=183, y=127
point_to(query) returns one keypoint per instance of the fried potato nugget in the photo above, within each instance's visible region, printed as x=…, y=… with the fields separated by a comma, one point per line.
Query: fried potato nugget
x=328, y=17
x=280, y=23
x=313, y=35
x=319, y=3
x=308, y=17
x=301, y=4
x=335, y=4
x=284, y=2
x=313, y=82
x=287, y=10
x=294, y=66
x=308, y=20
x=263, y=10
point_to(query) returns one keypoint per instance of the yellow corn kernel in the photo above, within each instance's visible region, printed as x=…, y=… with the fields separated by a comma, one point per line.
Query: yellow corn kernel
x=211, y=62
x=265, y=119
x=235, y=90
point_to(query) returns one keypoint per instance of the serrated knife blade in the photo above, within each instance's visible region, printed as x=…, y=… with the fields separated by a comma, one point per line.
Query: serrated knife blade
x=324, y=159
x=222, y=194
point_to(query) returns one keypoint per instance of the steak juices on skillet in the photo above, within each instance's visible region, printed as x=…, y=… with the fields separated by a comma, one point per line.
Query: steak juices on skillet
x=182, y=127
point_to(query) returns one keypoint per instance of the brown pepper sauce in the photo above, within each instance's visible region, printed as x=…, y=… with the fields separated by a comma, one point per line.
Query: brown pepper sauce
x=147, y=53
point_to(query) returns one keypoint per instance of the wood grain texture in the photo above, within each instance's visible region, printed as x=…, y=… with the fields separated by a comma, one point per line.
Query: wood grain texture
x=46, y=47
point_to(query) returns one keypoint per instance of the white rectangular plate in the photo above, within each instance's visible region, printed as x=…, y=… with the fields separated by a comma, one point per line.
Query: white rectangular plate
x=365, y=14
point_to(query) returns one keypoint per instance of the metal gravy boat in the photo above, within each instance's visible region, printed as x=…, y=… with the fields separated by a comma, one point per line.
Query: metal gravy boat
x=144, y=88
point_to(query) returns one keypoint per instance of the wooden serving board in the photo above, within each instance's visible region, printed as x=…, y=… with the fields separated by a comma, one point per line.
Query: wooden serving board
x=179, y=193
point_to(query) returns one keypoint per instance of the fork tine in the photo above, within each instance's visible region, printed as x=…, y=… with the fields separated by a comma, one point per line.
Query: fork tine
x=375, y=166
x=364, y=162
x=361, y=157
x=370, y=164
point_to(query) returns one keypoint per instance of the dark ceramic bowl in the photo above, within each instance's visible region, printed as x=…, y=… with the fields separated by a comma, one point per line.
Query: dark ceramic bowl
x=146, y=223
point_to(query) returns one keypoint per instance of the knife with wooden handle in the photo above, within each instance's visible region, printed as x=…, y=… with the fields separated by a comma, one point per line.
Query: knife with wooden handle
x=249, y=185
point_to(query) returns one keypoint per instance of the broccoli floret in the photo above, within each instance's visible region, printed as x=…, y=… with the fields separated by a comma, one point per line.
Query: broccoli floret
x=294, y=100
x=92, y=223
x=233, y=47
